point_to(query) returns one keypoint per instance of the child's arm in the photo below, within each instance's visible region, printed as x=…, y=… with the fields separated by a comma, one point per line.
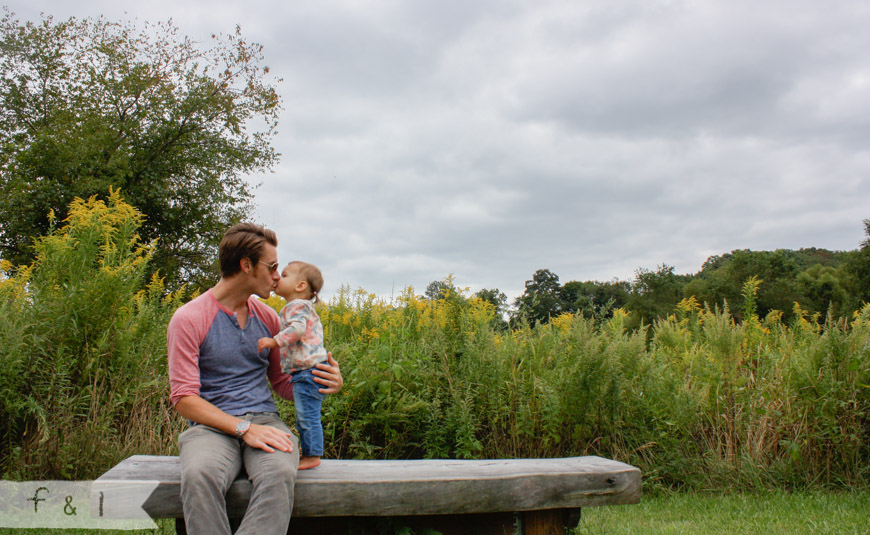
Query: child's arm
x=264, y=343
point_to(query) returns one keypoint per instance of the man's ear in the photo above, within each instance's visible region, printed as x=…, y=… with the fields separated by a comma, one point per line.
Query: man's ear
x=245, y=264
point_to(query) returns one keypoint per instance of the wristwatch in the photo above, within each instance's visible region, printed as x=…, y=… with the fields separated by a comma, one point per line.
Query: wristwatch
x=242, y=428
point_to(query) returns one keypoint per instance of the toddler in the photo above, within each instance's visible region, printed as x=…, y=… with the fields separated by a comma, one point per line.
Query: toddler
x=301, y=345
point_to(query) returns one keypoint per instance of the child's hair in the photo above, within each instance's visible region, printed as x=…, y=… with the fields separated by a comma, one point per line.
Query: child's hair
x=312, y=276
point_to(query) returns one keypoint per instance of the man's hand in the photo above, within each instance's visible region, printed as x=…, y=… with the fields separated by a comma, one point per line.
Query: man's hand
x=267, y=438
x=264, y=343
x=264, y=437
x=329, y=375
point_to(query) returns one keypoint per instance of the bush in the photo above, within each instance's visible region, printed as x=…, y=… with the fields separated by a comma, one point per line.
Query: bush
x=83, y=349
x=696, y=400
x=707, y=403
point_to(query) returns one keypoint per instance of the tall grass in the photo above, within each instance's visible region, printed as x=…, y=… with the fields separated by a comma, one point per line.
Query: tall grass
x=82, y=369
x=696, y=400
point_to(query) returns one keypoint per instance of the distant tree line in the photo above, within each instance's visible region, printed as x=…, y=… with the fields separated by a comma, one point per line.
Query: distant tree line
x=818, y=281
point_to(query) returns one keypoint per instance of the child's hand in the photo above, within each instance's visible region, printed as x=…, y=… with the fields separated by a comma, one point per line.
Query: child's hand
x=264, y=343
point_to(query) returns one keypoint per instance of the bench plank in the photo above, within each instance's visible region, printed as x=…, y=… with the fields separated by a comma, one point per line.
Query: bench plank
x=401, y=488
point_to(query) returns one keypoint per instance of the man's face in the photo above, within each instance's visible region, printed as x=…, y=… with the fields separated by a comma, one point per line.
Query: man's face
x=265, y=274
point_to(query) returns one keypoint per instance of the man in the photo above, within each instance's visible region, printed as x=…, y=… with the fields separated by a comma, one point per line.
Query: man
x=218, y=382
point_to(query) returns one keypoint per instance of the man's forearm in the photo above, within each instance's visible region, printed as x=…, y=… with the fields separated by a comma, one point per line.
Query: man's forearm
x=264, y=437
x=198, y=410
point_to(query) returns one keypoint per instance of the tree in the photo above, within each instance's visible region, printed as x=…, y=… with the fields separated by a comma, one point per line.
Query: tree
x=499, y=302
x=83, y=346
x=822, y=289
x=86, y=105
x=655, y=293
x=541, y=299
x=858, y=265
x=495, y=297
x=442, y=289
x=595, y=299
x=722, y=277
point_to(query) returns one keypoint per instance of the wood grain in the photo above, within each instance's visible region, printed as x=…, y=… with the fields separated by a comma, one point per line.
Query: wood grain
x=401, y=488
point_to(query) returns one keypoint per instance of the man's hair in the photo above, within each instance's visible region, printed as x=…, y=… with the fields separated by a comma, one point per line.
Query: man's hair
x=312, y=276
x=244, y=240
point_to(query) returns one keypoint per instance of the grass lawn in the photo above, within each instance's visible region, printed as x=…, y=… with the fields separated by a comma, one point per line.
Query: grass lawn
x=772, y=513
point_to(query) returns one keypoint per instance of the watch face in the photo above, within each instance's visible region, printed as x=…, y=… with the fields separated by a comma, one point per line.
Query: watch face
x=242, y=427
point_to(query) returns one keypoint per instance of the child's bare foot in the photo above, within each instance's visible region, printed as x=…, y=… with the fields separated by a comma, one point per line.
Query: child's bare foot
x=308, y=462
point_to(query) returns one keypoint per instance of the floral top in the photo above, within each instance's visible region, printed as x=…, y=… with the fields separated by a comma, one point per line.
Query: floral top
x=301, y=336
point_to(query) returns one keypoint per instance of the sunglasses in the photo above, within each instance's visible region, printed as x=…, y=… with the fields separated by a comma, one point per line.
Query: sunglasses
x=273, y=267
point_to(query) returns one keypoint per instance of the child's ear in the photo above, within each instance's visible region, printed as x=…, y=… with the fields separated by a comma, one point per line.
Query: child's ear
x=301, y=286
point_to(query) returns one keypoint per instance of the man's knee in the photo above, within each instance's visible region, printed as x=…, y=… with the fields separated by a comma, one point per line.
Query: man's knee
x=207, y=472
x=278, y=472
x=197, y=475
x=286, y=472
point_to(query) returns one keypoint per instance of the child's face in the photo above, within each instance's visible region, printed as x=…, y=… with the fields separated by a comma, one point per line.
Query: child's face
x=290, y=286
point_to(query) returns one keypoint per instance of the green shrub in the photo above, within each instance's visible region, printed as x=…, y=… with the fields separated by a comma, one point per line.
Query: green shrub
x=696, y=400
x=83, y=349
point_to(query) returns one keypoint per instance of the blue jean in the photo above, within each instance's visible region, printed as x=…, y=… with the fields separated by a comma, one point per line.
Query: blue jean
x=308, y=402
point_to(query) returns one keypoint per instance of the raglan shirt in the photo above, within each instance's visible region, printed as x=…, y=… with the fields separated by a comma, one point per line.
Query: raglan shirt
x=212, y=357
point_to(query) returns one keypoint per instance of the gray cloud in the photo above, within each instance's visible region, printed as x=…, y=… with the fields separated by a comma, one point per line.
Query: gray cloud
x=490, y=139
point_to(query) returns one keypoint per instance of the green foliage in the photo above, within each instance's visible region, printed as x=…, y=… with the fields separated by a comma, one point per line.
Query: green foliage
x=707, y=402
x=655, y=293
x=494, y=297
x=821, y=288
x=858, y=265
x=820, y=281
x=443, y=289
x=87, y=105
x=816, y=278
x=83, y=353
x=595, y=299
x=499, y=302
x=541, y=300
x=773, y=398
x=698, y=398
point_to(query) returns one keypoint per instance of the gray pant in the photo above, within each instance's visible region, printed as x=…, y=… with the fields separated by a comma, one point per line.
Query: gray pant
x=211, y=460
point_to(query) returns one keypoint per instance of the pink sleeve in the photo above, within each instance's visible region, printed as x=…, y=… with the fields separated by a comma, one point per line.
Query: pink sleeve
x=183, y=338
x=280, y=381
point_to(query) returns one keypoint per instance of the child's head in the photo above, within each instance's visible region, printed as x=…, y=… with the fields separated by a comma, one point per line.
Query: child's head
x=300, y=280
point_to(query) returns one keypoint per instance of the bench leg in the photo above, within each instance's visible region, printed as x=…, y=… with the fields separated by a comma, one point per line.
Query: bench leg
x=550, y=521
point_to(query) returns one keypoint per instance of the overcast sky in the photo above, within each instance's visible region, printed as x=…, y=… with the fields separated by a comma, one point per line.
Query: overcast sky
x=489, y=139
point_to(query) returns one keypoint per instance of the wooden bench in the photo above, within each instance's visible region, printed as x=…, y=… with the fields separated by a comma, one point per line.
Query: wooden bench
x=531, y=496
